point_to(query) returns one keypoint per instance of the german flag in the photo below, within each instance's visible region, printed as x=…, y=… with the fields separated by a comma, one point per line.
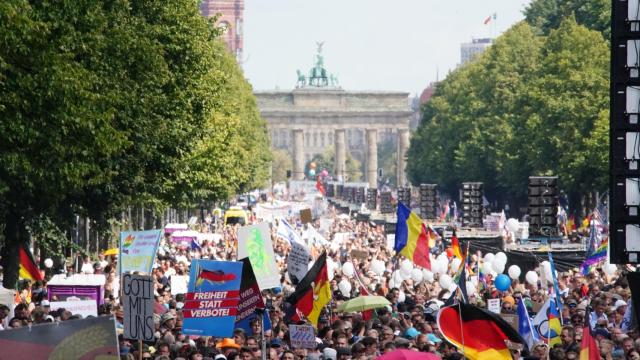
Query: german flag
x=313, y=292
x=588, y=346
x=455, y=246
x=28, y=268
x=481, y=334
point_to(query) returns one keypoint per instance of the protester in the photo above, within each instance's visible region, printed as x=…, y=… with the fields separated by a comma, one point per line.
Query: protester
x=409, y=322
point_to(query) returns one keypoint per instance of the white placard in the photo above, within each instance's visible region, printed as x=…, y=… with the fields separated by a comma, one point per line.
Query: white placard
x=138, y=307
x=302, y=337
x=77, y=307
x=179, y=284
x=298, y=260
x=494, y=305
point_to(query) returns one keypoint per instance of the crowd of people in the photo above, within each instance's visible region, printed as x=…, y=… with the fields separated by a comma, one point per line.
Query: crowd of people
x=410, y=322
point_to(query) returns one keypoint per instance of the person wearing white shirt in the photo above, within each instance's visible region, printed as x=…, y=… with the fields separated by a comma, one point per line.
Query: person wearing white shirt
x=87, y=266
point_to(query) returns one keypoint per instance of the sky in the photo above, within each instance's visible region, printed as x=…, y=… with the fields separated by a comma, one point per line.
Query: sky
x=393, y=45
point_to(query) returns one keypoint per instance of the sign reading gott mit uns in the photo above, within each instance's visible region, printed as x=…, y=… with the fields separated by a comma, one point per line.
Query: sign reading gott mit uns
x=138, y=307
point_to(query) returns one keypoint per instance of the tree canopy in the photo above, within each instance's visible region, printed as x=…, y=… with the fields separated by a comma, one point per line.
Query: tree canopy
x=106, y=104
x=530, y=105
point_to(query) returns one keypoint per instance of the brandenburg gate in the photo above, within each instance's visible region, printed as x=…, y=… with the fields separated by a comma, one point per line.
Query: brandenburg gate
x=318, y=114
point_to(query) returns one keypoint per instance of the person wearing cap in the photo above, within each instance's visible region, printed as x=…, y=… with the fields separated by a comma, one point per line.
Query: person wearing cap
x=167, y=322
x=227, y=346
x=619, y=308
x=327, y=354
x=344, y=353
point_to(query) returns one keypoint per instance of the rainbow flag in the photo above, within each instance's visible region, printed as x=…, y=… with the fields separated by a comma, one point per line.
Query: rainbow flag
x=595, y=256
x=412, y=240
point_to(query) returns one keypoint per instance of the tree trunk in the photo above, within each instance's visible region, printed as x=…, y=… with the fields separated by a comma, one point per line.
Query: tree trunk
x=15, y=234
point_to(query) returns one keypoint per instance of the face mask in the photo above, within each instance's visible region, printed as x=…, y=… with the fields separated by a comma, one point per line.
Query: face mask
x=166, y=306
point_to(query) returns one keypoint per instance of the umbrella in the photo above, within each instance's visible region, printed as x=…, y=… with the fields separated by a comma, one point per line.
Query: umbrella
x=113, y=251
x=362, y=303
x=408, y=355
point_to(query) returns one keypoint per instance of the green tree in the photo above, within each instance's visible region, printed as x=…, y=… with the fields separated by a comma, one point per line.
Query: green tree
x=282, y=163
x=547, y=15
x=530, y=105
x=326, y=161
x=111, y=104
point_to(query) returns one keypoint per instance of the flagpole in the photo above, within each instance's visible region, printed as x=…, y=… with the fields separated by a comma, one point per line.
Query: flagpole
x=461, y=330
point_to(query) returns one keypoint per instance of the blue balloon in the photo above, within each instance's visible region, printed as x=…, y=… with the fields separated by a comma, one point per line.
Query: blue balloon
x=502, y=282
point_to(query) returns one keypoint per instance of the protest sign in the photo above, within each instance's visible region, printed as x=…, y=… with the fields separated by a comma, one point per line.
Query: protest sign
x=77, y=307
x=254, y=242
x=179, y=284
x=305, y=216
x=302, y=337
x=511, y=319
x=493, y=305
x=359, y=254
x=339, y=238
x=298, y=261
x=250, y=300
x=92, y=338
x=211, y=305
x=137, y=250
x=138, y=307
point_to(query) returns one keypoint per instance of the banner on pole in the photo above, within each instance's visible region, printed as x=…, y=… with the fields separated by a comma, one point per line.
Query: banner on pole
x=298, y=261
x=254, y=242
x=250, y=300
x=138, y=307
x=302, y=337
x=138, y=250
x=211, y=305
x=92, y=338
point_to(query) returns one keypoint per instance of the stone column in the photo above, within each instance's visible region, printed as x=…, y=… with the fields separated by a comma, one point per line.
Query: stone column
x=298, y=154
x=403, y=146
x=341, y=157
x=372, y=158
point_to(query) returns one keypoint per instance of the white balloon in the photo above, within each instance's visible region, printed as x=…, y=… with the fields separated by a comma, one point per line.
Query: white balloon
x=397, y=277
x=406, y=266
x=546, y=267
x=512, y=225
x=455, y=264
x=377, y=266
x=487, y=267
x=497, y=265
x=514, y=272
x=488, y=257
x=416, y=275
x=532, y=277
x=438, y=268
x=427, y=275
x=445, y=281
x=48, y=263
x=609, y=269
x=401, y=296
x=331, y=268
x=502, y=256
x=348, y=269
x=345, y=287
x=471, y=288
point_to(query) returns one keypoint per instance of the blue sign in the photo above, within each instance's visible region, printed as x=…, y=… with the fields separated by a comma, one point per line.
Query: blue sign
x=211, y=305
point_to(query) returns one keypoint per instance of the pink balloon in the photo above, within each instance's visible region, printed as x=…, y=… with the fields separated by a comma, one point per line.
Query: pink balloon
x=324, y=173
